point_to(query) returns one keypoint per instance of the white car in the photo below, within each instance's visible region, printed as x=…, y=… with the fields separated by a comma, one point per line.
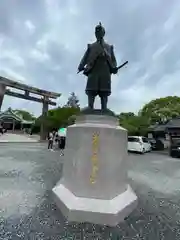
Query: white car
x=138, y=144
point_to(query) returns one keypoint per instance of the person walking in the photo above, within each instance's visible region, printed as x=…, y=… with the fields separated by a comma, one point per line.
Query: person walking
x=56, y=139
x=62, y=144
x=50, y=141
x=62, y=139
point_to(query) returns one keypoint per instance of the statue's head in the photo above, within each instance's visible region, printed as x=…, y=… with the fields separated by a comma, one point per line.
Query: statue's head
x=99, y=31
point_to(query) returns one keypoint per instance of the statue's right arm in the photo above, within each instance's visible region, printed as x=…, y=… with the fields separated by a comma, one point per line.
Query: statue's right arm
x=84, y=59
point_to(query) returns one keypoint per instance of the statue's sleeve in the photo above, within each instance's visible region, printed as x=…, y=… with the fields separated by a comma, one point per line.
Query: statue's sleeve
x=113, y=58
x=84, y=59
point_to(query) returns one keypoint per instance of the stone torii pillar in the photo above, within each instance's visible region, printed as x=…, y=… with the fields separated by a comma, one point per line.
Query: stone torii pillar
x=2, y=92
x=43, y=133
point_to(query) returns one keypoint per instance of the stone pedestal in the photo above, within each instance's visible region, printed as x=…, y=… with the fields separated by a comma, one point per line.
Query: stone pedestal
x=94, y=185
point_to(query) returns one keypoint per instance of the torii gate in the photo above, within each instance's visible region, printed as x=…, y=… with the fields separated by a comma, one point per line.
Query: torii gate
x=45, y=100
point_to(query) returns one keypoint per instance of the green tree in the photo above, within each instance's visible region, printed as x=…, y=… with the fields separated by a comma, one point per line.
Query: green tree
x=161, y=109
x=123, y=116
x=58, y=117
x=136, y=125
x=73, y=101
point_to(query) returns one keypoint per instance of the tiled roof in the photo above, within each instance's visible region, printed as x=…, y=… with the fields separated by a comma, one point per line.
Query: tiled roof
x=160, y=128
x=10, y=113
x=173, y=123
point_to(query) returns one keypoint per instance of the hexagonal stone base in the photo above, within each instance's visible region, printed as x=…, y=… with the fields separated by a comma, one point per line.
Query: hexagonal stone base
x=97, y=211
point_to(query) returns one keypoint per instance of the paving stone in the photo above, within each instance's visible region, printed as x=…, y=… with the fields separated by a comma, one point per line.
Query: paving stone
x=27, y=209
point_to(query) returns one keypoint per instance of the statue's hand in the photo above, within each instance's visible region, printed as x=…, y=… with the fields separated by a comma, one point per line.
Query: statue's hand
x=115, y=70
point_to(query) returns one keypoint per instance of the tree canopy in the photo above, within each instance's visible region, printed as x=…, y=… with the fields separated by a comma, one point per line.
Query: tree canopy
x=61, y=116
x=58, y=117
x=73, y=101
x=161, y=109
x=136, y=125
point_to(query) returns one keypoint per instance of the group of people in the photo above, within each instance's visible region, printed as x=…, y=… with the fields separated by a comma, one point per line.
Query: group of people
x=56, y=141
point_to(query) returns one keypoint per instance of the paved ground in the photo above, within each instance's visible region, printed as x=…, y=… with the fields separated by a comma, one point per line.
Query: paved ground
x=9, y=137
x=27, y=210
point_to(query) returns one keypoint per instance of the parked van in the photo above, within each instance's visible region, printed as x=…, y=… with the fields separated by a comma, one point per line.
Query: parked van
x=138, y=144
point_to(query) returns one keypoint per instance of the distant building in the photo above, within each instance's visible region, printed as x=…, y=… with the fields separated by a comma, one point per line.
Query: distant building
x=10, y=120
x=158, y=130
x=164, y=131
x=170, y=127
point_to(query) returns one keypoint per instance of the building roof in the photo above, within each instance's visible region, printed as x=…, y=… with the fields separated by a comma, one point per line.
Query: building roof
x=13, y=114
x=160, y=128
x=173, y=123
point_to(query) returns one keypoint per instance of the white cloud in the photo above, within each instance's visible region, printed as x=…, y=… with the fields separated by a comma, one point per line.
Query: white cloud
x=30, y=26
x=13, y=56
x=9, y=73
x=160, y=51
x=38, y=55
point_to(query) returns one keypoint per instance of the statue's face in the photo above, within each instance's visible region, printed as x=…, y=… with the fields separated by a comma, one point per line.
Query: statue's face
x=99, y=33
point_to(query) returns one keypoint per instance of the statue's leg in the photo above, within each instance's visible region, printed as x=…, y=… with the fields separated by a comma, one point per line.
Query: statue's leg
x=104, y=101
x=91, y=99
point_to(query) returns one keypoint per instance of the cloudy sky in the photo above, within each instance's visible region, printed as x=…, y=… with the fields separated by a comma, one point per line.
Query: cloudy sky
x=42, y=42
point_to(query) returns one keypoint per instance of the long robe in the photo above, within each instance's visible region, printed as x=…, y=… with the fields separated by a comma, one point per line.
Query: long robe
x=100, y=65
